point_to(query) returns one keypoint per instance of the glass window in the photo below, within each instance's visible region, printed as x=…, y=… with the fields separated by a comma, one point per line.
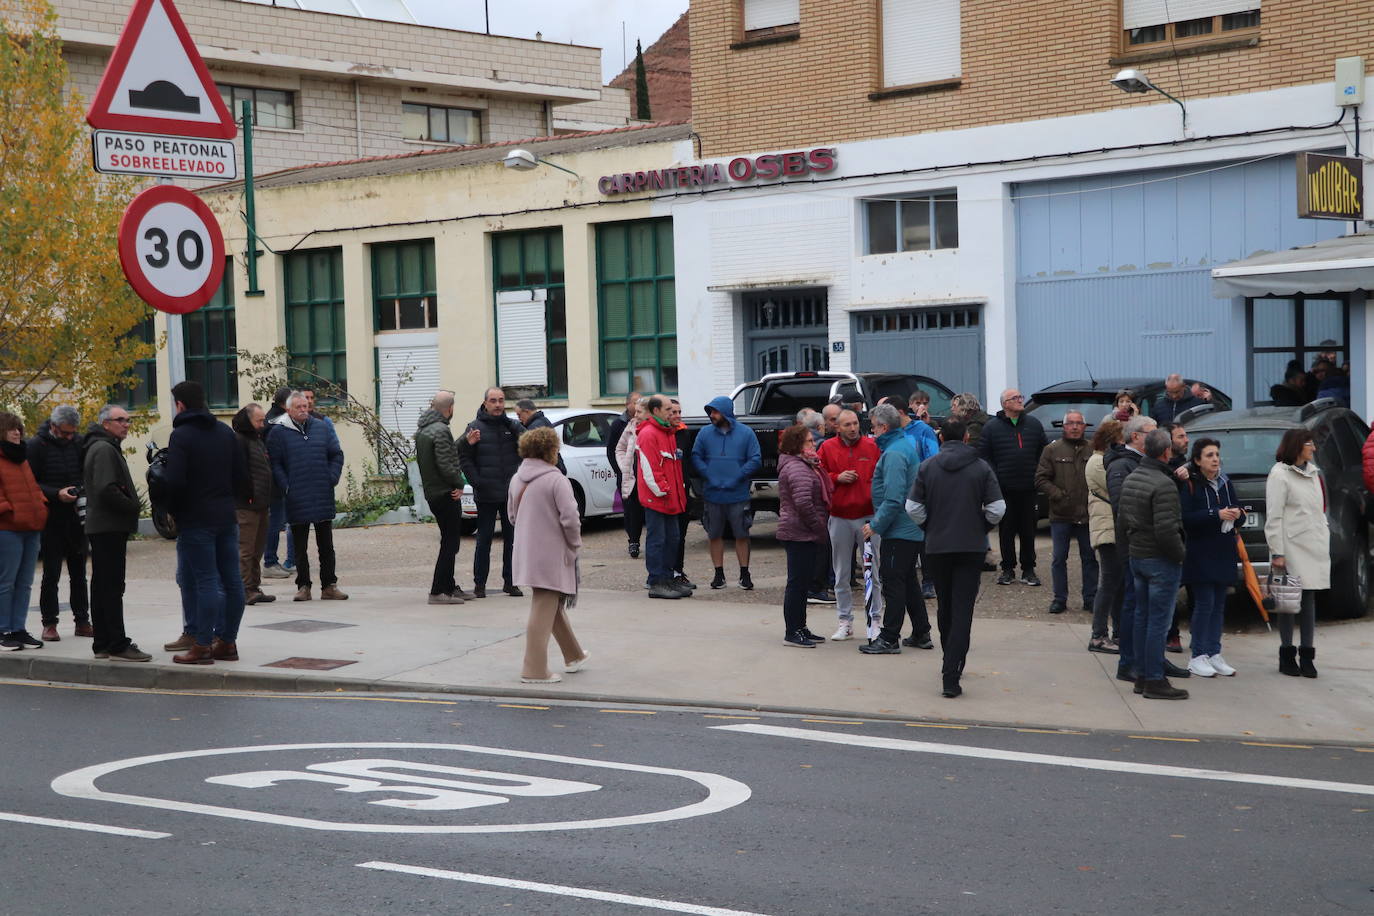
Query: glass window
x=1147, y=34
x=211, y=343
x=404, y=297
x=919, y=223
x=1283, y=330
x=1275, y=323
x=270, y=107
x=881, y=216
x=636, y=305
x=142, y=394
x=440, y=125
x=534, y=260
x=1250, y=19
x=315, y=343
x=1323, y=323
x=1193, y=27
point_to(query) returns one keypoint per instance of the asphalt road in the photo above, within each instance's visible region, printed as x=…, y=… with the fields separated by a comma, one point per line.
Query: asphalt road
x=658, y=810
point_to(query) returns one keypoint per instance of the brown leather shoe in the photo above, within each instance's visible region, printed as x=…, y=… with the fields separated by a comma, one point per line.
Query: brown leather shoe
x=182, y=642
x=84, y=629
x=332, y=593
x=302, y=593
x=50, y=634
x=196, y=655
x=223, y=651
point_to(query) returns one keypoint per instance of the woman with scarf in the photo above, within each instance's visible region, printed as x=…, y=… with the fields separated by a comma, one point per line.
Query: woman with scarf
x=804, y=493
x=23, y=513
x=1211, y=518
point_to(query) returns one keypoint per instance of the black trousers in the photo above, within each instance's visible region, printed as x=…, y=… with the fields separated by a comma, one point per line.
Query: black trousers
x=487, y=514
x=324, y=546
x=448, y=515
x=956, y=577
x=634, y=513
x=683, y=523
x=62, y=544
x=108, y=555
x=901, y=589
x=1018, y=524
x=801, y=563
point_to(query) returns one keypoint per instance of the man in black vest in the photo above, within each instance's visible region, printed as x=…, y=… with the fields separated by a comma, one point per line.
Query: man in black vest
x=489, y=457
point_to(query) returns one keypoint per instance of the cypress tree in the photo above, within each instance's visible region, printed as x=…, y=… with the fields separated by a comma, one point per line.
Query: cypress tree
x=641, y=85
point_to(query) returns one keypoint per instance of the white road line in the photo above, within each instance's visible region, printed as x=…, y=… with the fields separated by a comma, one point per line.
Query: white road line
x=80, y=825
x=1083, y=763
x=559, y=889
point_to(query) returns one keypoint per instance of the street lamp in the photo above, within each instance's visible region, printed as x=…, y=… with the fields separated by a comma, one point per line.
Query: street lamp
x=1135, y=81
x=522, y=160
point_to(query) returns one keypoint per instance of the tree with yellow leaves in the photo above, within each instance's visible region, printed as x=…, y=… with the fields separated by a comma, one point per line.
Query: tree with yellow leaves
x=66, y=313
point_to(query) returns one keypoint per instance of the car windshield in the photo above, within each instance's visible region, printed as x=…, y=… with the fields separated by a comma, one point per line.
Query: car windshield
x=1244, y=451
x=1051, y=413
x=784, y=398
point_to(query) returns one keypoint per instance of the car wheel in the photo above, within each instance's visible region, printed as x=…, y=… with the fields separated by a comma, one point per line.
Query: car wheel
x=581, y=501
x=1349, y=594
x=164, y=524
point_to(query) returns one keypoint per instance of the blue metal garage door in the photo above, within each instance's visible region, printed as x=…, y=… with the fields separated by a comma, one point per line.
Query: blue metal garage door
x=945, y=344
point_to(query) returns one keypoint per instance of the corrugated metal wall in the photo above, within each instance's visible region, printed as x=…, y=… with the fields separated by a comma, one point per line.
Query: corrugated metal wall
x=1119, y=267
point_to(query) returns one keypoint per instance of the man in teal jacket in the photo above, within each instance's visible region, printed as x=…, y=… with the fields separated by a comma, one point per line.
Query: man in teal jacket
x=901, y=537
x=726, y=455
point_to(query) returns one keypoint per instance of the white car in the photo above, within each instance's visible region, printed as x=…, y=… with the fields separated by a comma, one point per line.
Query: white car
x=584, y=433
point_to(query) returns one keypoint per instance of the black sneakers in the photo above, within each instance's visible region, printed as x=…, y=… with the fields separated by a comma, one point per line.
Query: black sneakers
x=1058, y=607
x=718, y=580
x=681, y=581
x=664, y=590
x=25, y=640
x=1006, y=578
x=1031, y=579
x=513, y=591
x=881, y=646
x=918, y=642
x=745, y=582
x=634, y=550
x=806, y=632
x=797, y=639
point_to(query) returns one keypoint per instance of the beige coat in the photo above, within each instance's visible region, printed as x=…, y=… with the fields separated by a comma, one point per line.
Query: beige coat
x=1295, y=522
x=1101, y=522
x=625, y=458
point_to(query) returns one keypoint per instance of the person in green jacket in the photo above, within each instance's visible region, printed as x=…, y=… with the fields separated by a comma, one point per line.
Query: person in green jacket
x=442, y=480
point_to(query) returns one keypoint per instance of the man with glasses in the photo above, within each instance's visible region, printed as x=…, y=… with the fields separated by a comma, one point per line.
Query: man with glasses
x=1011, y=444
x=489, y=457
x=55, y=456
x=1062, y=477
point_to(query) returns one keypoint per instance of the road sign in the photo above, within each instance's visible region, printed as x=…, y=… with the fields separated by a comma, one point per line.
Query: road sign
x=171, y=249
x=156, y=81
x=123, y=153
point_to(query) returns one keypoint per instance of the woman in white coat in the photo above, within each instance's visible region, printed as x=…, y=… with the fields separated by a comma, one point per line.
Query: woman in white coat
x=1299, y=541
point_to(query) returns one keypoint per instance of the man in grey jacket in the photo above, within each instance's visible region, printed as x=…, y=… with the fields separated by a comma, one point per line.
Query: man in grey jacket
x=1153, y=519
x=957, y=501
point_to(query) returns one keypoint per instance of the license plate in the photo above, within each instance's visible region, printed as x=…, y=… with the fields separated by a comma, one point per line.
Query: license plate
x=1251, y=520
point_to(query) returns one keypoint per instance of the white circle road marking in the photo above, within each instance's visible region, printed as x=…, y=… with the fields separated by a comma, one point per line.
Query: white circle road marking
x=723, y=792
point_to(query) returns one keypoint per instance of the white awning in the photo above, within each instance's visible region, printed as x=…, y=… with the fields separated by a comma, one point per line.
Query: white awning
x=1339, y=265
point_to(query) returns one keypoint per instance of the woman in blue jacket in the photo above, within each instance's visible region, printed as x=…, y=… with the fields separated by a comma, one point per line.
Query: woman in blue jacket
x=1211, y=517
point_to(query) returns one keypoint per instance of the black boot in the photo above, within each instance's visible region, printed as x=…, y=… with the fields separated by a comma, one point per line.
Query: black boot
x=1305, y=666
x=1163, y=690
x=1288, y=663
x=951, y=686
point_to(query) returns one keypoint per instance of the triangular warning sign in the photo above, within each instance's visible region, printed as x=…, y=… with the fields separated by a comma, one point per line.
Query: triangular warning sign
x=156, y=82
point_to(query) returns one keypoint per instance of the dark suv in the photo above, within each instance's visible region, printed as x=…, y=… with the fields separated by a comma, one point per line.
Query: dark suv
x=1095, y=398
x=1249, y=439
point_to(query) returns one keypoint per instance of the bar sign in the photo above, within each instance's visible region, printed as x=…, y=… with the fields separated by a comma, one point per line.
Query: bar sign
x=1330, y=187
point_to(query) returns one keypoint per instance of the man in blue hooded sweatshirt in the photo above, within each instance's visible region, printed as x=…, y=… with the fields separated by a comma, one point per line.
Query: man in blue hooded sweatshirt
x=725, y=455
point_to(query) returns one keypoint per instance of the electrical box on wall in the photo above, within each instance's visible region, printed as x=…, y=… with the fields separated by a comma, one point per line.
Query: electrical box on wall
x=1349, y=81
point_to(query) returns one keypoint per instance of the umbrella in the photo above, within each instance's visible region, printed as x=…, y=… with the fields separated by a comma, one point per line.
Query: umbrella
x=1251, y=580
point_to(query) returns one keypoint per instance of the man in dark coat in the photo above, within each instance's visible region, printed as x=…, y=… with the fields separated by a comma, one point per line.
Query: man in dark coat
x=307, y=462
x=1177, y=398
x=55, y=457
x=1011, y=444
x=1061, y=476
x=441, y=477
x=251, y=505
x=531, y=417
x=490, y=459
x=112, y=509
x=204, y=471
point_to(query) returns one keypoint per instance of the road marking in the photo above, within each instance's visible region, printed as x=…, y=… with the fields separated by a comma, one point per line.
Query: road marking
x=1085, y=763
x=933, y=725
x=712, y=716
x=833, y=721
x=561, y=890
x=1298, y=747
x=1049, y=731
x=1163, y=738
x=81, y=825
x=631, y=712
x=519, y=706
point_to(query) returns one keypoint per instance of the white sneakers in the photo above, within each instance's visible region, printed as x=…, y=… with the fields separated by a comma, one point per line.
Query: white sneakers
x=1219, y=665
x=845, y=631
x=1201, y=667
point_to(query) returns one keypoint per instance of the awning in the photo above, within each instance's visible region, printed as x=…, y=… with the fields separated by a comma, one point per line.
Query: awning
x=1338, y=265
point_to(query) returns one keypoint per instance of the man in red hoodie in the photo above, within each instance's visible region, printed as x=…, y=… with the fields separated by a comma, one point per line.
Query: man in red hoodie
x=849, y=458
x=660, y=490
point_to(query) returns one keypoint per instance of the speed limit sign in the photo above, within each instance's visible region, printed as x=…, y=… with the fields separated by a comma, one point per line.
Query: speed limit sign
x=171, y=249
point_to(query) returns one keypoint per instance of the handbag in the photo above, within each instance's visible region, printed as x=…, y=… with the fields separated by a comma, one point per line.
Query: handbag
x=1283, y=593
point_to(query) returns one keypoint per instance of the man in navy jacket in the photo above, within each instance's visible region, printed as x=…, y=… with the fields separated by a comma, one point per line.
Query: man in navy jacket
x=726, y=455
x=307, y=462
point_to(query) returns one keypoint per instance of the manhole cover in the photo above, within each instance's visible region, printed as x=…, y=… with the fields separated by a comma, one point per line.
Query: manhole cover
x=302, y=626
x=310, y=664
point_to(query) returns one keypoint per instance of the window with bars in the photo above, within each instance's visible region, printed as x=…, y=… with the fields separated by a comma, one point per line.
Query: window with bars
x=1153, y=22
x=637, y=308
x=534, y=260
x=403, y=287
x=210, y=343
x=315, y=316
x=142, y=395
x=271, y=107
x=916, y=320
x=922, y=222
x=440, y=125
x=776, y=310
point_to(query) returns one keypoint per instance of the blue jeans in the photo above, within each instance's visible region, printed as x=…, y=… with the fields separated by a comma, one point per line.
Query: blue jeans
x=1209, y=607
x=1156, y=590
x=276, y=521
x=660, y=545
x=487, y=513
x=187, y=585
x=211, y=558
x=1061, y=533
x=1125, y=634
x=18, y=557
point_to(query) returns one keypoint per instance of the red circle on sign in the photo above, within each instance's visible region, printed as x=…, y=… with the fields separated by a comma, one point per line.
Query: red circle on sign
x=134, y=271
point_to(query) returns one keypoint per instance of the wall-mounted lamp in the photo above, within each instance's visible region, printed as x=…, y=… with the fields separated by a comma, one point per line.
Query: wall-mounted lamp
x=522, y=160
x=1135, y=81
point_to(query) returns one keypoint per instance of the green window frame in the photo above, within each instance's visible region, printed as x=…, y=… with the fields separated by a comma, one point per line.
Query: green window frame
x=636, y=306
x=315, y=339
x=533, y=259
x=403, y=293
x=142, y=395
x=211, y=344
x=271, y=107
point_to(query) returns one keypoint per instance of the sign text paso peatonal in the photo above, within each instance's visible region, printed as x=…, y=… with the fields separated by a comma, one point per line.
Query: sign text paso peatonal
x=150, y=154
x=744, y=168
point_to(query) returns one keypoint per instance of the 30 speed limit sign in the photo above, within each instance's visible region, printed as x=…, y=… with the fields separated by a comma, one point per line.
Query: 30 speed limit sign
x=171, y=249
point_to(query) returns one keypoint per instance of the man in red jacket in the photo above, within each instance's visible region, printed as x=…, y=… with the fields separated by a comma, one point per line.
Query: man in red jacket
x=849, y=458
x=660, y=490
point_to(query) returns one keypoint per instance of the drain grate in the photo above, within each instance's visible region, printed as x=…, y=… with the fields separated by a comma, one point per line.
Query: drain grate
x=309, y=664
x=303, y=626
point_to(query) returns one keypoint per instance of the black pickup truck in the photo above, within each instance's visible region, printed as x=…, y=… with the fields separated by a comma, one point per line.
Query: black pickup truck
x=770, y=405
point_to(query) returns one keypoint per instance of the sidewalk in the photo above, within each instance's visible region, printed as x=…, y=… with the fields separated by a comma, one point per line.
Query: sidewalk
x=716, y=653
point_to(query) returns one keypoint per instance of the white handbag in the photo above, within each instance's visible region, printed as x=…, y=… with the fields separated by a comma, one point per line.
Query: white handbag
x=1283, y=593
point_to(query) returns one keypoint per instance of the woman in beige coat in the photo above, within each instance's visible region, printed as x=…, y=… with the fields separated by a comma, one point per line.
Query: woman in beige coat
x=625, y=453
x=1299, y=541
x=544, y=558
x=1102, y=536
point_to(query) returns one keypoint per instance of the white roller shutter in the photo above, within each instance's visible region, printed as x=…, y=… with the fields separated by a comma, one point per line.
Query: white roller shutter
x=920, y=41
x=407, y=377
x=1138, y=13
x=764, y=14
x=522, y=345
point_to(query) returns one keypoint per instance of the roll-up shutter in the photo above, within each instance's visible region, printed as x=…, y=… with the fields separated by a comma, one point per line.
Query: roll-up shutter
x=522, y=344
x=1138, y=13
x=920, y=41
x=407, y=377
x=764, y=14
